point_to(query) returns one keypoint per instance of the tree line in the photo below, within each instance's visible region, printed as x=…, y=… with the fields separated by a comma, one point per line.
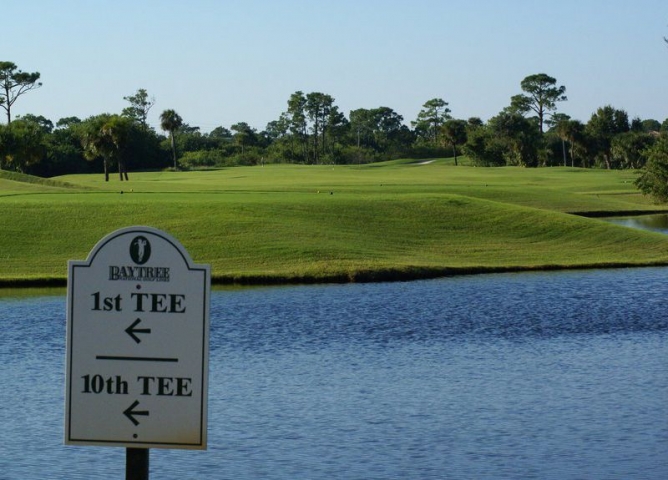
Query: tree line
x=529, y=132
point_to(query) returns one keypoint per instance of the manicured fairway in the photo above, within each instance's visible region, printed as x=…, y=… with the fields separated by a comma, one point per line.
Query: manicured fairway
x=321, y=223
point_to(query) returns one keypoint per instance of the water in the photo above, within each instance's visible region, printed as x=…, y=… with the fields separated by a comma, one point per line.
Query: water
x=657, y=222
x=541, y=375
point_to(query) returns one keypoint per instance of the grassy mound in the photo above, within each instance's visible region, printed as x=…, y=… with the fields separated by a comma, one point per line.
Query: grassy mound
x=15, y=182
x=291, y=223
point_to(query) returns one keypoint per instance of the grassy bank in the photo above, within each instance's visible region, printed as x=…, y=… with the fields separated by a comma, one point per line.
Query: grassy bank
x=283, y=223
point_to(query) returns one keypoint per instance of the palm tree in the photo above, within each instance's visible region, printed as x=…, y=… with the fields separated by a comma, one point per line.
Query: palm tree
x=454, y=132
x=118, y=130
x=170, y=121
x=96, y=143
x=560, y=123
x=108, y=137
x=574, y=133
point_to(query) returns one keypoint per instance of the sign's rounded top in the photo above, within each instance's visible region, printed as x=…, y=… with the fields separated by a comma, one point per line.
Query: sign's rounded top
x=138, y=245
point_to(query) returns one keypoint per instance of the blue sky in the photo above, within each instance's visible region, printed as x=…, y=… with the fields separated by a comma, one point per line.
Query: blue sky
x=221, y=62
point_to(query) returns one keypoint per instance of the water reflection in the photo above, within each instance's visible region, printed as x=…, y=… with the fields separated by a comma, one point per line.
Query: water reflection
x=655, y=223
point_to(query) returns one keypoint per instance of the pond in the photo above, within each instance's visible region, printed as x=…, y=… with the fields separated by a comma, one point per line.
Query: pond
x=655, y=222
x=558, y=375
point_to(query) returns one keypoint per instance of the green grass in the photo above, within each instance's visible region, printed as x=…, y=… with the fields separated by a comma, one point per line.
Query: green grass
x=13, y=183
x=401, y=219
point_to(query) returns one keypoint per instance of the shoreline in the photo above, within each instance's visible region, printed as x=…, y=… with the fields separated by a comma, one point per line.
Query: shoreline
x=369, y=276
x=617, y=213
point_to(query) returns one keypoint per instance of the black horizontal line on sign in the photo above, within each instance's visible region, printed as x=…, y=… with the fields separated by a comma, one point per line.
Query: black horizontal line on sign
x=136, y=359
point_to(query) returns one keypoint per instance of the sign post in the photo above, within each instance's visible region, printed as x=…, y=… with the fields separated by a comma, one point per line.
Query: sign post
x=137, y=346
x=136, y=464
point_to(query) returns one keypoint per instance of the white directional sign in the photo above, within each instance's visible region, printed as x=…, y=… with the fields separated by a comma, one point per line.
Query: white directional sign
x=137, y=344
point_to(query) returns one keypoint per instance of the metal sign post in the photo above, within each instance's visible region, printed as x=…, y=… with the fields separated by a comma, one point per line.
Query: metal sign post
x=136, y=464
x=137, y=346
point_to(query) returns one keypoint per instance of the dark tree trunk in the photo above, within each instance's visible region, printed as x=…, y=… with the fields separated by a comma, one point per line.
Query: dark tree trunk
x=122, y=171
x=171, y=136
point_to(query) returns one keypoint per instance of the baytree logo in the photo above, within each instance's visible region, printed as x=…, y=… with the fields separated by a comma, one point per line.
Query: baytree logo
x=140, y=250
x=140, y=253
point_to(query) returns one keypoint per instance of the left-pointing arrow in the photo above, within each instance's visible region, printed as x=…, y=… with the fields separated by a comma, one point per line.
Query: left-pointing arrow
x=130, y=412
x=132, y=331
